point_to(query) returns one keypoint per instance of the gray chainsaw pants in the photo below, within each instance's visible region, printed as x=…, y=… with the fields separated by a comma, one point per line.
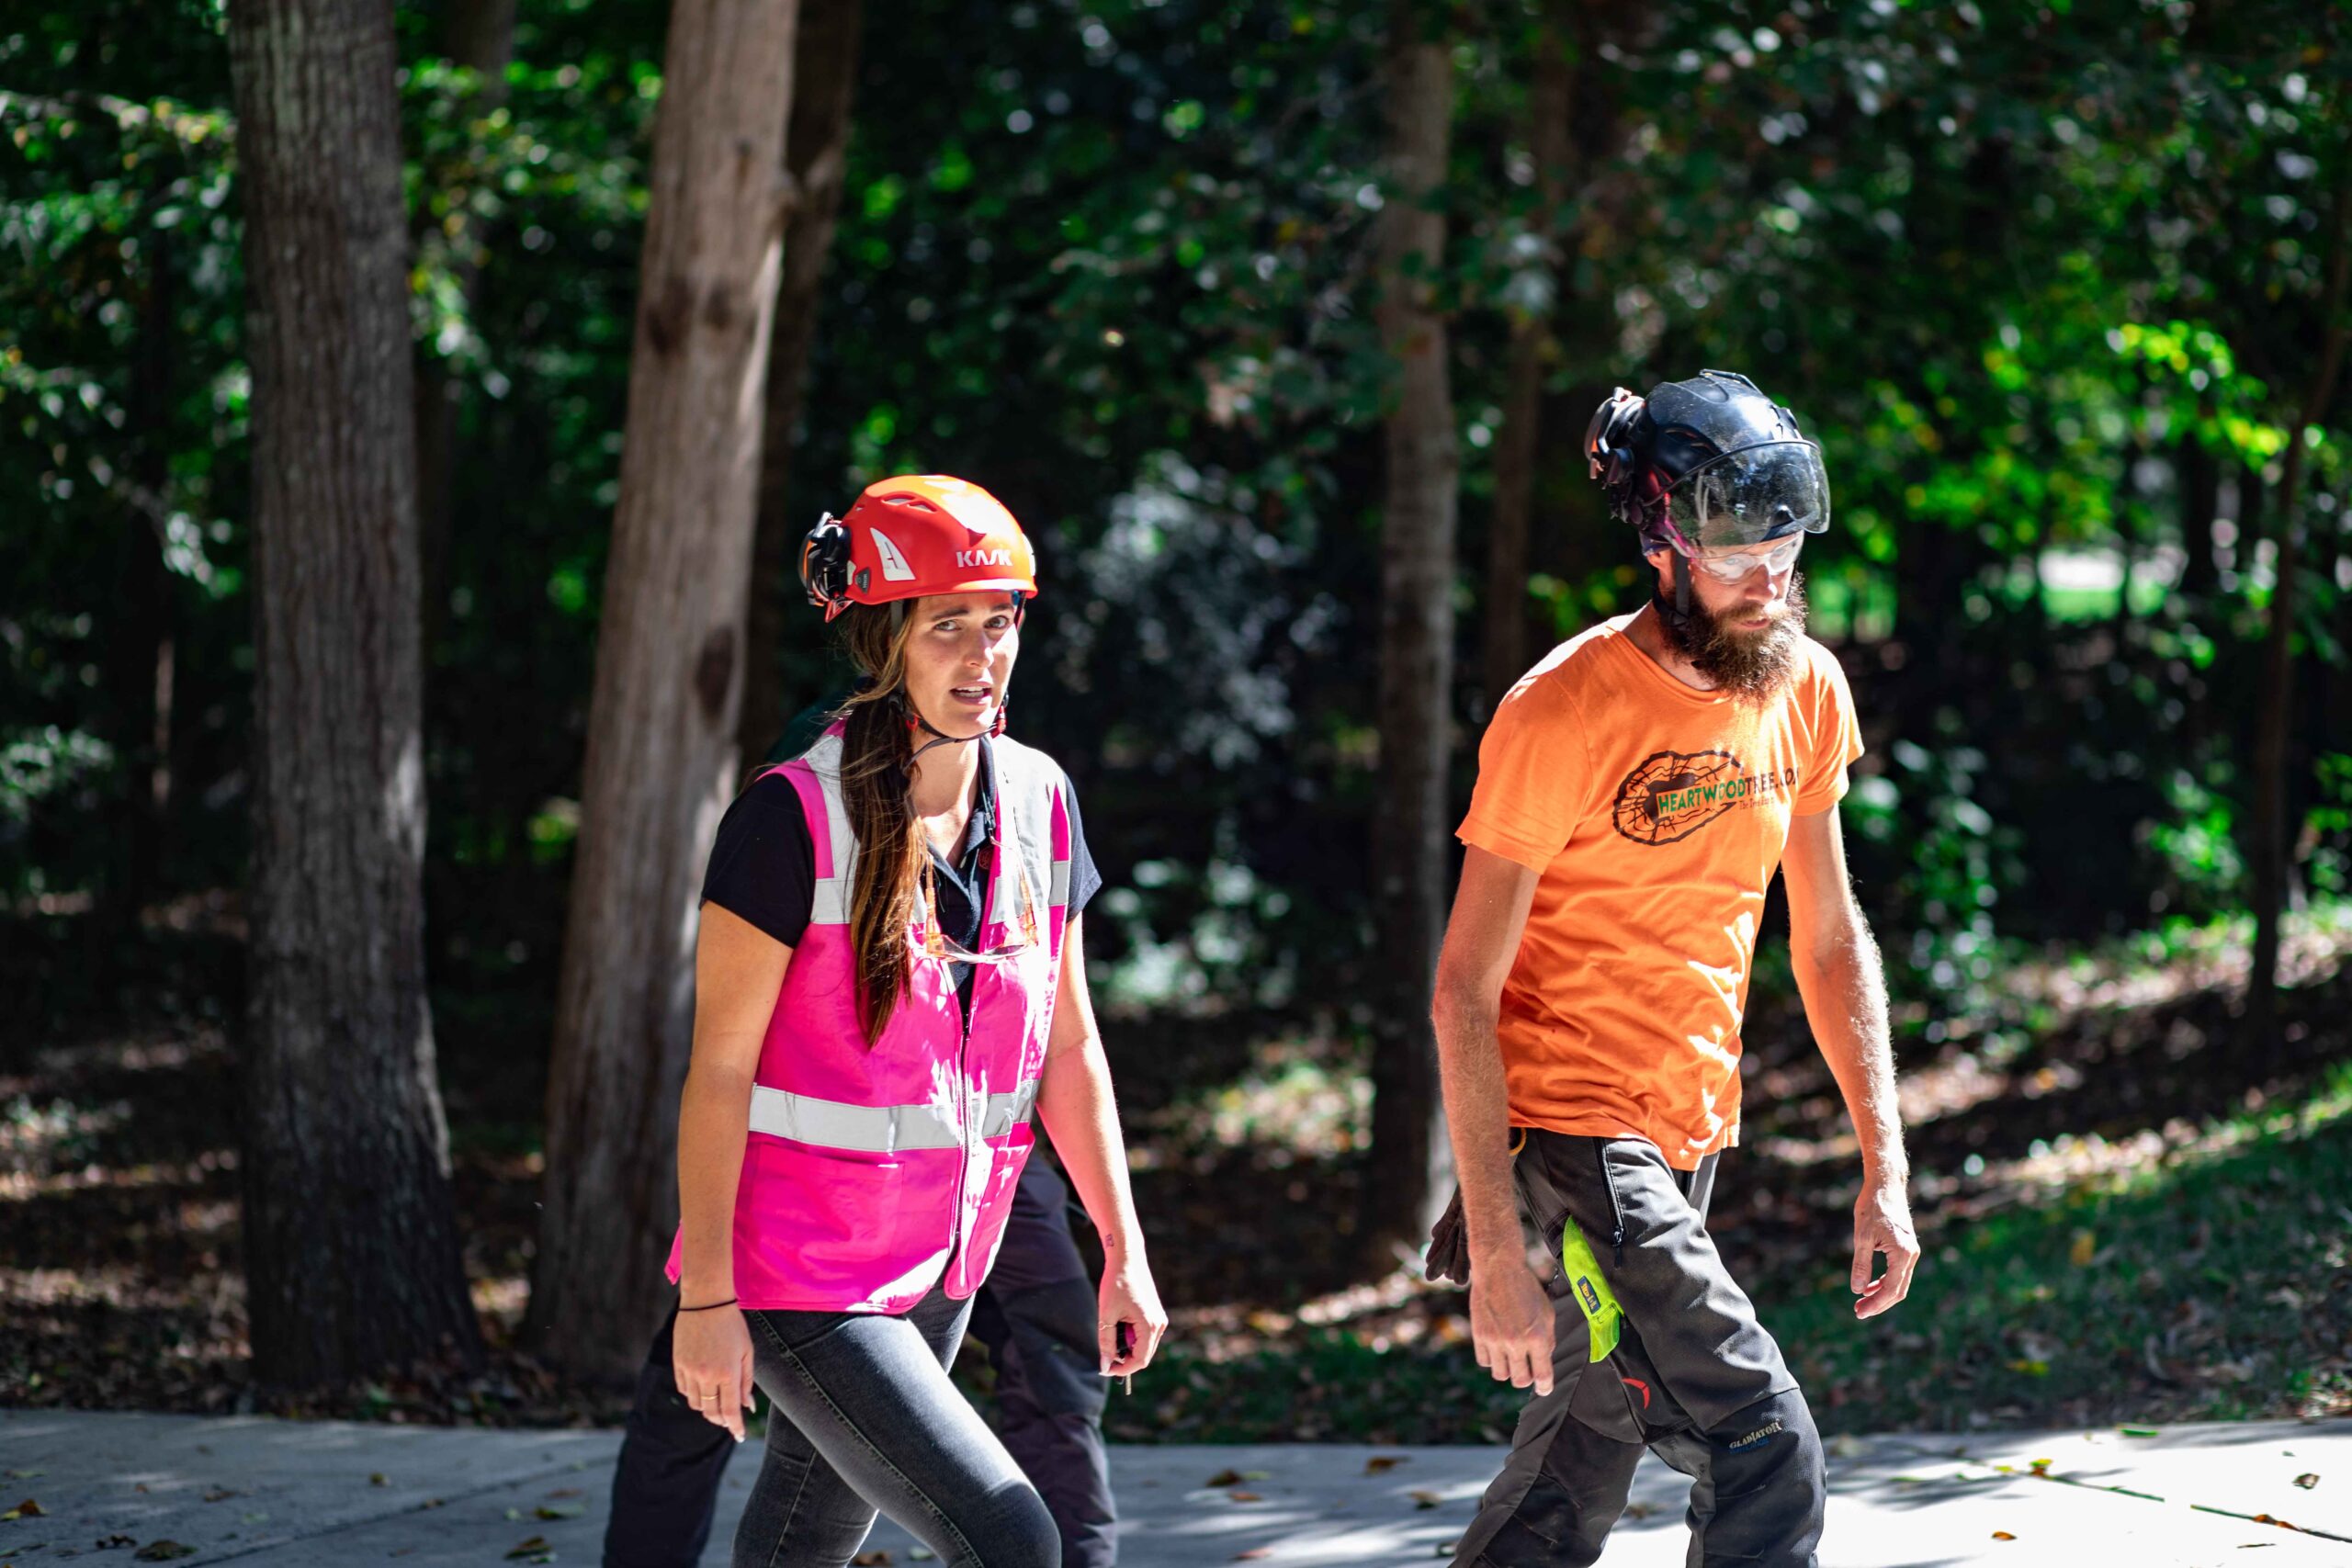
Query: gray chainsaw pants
x=1695, y=1379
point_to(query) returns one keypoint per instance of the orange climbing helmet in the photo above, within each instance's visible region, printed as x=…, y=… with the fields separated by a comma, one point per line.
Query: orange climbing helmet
x=915, y=535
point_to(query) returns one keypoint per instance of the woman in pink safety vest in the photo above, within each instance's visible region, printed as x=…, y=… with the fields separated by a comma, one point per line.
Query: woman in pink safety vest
x=861, y=1101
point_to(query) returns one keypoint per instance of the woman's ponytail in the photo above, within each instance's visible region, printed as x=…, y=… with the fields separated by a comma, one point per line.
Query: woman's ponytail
x=877, y=753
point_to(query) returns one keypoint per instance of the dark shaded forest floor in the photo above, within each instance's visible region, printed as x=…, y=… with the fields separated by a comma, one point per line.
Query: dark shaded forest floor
x=2127, y=1215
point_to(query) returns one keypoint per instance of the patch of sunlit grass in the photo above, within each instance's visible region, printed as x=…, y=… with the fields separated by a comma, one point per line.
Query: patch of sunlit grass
x=2210, y=1276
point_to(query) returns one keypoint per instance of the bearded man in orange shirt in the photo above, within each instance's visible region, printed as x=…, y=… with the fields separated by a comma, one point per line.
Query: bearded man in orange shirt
x=1636, y=792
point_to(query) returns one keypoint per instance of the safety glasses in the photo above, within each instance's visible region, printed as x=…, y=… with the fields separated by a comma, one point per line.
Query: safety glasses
x=1776, y=560
x=939, y=946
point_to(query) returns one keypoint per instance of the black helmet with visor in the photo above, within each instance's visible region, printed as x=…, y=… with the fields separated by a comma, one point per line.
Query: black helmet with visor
x=1708, y=461
x=1706, y=464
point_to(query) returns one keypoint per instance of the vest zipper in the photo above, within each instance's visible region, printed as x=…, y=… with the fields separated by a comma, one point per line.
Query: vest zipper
x=1617, y=1236
x=955, y=1238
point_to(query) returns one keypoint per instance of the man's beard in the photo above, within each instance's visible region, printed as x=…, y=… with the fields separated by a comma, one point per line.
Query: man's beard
x=1753, y=666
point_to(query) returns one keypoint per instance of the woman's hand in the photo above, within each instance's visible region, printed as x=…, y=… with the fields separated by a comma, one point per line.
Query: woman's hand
x=710, y=1357
x=1129, y=1298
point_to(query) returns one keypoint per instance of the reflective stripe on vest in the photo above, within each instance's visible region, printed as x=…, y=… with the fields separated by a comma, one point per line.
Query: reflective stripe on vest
x=881, y=1129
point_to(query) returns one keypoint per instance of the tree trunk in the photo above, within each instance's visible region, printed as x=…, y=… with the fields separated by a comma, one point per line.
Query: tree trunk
x=1404, y=1182
x=661, y=728
x=479, y=35
x=2200, y=503
x=140, y=664
x=1548, y=107
x=2272, y=834
x=824, y=78
x=351, y=1244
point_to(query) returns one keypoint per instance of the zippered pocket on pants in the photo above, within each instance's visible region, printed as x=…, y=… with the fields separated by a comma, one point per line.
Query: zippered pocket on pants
x=1616, y=1210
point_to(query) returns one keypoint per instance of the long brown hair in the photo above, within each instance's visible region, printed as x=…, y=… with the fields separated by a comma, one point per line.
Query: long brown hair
x=877, y=754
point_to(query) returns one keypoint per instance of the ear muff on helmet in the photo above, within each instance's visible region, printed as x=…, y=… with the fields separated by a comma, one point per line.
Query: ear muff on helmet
x=1612, y=449
x=1609, y=439
x=825, y=566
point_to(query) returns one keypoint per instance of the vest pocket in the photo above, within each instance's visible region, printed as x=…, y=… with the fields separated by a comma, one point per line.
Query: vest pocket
x=827, y=1227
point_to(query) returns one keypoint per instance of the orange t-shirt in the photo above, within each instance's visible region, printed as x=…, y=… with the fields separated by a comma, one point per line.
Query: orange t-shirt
x=1657, y=814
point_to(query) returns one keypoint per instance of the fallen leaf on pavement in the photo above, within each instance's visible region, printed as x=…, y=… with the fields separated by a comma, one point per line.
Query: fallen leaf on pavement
x=1377, y=1463
x=535, y=1548
x=26, y=1474
x=1255, y=1554
x=377, y=1479
x=163, y=1552
x=27, y=1509
x=878, y=1558
x=1224, y=1478
x=920, y=1553
x=1245, y=1496
x=1426, y=1499
x=109, y=1543
x=221, y=1495
x=2307, y=1480
x=560, y=1510
x=2003, y=1535
x=565, y=1492
x=2139, y=1431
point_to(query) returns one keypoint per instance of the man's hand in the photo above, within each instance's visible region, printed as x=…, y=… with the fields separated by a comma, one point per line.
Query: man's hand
x=1882, y=1225
x=1510, y=1321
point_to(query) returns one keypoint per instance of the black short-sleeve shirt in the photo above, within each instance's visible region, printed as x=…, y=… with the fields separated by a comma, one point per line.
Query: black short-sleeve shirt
x=764, y=867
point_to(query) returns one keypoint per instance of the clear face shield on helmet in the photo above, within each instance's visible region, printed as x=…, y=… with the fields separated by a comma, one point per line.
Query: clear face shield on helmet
x=1755, y=496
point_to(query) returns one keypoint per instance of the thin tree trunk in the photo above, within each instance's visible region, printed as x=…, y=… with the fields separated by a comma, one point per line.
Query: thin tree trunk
x=1408, y=1150
x=2200, y=503
x=1549, y=105
x=2127, y=552
x=824, y=72
x=351, y=1243
x=140, y=665
x=479, y=35
x=2272, y=835
x=661, y=728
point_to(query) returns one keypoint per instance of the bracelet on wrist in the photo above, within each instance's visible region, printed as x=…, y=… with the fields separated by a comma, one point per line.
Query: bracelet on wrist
x=709, y=1306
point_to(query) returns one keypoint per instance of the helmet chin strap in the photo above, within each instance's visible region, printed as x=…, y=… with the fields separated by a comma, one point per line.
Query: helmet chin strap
x=941, y=737
x=1677, y=611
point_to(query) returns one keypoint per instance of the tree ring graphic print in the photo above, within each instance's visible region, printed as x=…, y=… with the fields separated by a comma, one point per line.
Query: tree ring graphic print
x=1672, y=795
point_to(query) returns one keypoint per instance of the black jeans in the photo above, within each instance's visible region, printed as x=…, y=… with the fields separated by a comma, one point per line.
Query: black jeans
x=861, y=1415
x=1035, y=1318
x=1694, y=1378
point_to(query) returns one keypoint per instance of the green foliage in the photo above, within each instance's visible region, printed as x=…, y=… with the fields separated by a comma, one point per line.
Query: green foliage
x=2022, y=270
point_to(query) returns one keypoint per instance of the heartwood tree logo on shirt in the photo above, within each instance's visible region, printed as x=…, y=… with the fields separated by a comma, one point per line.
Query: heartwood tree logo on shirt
x=1672, y=795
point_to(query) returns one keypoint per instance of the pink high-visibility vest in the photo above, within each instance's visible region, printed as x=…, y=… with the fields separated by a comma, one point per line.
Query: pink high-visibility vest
x=872, y=1172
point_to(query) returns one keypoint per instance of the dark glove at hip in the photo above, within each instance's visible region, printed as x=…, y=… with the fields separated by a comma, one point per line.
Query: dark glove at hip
x=1449, y=1255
